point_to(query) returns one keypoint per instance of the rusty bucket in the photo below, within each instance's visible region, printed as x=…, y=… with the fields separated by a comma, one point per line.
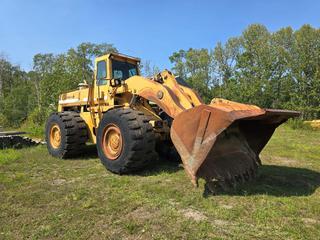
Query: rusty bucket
x=221, y=142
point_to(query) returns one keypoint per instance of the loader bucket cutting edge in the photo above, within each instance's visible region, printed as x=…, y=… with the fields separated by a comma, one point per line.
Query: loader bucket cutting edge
x=221, y=142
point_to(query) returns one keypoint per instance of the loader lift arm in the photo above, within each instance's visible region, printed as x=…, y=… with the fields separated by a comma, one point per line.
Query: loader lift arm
x=165, y=92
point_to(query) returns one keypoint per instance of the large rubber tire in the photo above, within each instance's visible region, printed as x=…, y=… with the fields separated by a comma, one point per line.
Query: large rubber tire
x=138, y=140
x=73, y=133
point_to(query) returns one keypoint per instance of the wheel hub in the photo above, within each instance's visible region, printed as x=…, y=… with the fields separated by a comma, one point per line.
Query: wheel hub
x=55, y=136
x=112, y=141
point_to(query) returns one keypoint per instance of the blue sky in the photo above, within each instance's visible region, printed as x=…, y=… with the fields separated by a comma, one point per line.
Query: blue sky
x=151, y=30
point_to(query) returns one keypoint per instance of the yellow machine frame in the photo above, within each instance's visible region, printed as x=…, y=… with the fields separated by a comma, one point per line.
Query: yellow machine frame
x=93, y=100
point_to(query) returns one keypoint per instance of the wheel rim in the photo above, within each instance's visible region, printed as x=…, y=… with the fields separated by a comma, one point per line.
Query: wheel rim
x=55, y=136
x=112, y=141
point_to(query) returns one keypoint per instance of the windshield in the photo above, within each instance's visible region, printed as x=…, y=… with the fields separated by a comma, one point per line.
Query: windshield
x=123, y=70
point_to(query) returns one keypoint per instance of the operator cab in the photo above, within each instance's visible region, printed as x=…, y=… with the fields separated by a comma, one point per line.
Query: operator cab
x=115, y=67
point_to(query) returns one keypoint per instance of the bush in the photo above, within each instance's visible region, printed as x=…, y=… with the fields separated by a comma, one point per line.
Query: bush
x=38, y=116
x=297, y=123
x=15, y=105
x=3, y=120
x=34, y=125
x=33, y=130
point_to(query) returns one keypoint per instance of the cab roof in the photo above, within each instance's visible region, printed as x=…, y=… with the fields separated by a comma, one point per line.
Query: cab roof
x=118, y=55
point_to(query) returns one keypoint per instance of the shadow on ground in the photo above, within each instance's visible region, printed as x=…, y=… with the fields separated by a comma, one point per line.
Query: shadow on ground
x=89, y=152
x=159, y=166
x=277, y=181
x=271, y=180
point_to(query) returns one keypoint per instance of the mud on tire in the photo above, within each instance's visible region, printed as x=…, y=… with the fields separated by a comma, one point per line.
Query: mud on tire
x=138, y=140
x=73, y=133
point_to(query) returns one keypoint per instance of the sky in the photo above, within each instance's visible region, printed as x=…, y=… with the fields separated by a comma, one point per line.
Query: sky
x=151, y=30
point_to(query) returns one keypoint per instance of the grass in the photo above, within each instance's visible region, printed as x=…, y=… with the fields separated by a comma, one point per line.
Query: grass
x=45, y=198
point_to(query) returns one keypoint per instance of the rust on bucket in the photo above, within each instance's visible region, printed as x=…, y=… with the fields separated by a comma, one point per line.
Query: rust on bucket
x=222, y=141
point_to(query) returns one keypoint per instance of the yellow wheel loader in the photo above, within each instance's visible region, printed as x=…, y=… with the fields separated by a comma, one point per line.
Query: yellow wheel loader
x=132, y=119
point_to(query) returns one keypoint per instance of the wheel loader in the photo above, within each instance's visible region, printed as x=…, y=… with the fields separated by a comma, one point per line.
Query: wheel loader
x=132, y=119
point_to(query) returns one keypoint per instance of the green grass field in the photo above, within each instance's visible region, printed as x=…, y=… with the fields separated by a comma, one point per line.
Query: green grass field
x=46, y=198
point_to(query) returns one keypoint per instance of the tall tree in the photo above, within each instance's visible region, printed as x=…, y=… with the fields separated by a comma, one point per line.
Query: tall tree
x=224, y=67
x=195, y=66
x=305, y=67
x=149, y=70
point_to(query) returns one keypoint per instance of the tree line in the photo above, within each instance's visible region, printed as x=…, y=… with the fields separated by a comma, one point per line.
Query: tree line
x=271, y=69
x=34, y=94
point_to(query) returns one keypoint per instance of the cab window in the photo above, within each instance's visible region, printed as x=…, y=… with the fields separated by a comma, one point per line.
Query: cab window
x=101, y=73
x=123, y=70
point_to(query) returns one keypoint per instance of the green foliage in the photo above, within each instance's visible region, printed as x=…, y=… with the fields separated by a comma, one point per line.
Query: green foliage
x=38, y=116
x=273, y=70
x=35, y=122
x=15, y=106
x=195, y=66
x=54, y=74
x=30, y=97
x=33, y=130
x=298, y=123
x=3, y=120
